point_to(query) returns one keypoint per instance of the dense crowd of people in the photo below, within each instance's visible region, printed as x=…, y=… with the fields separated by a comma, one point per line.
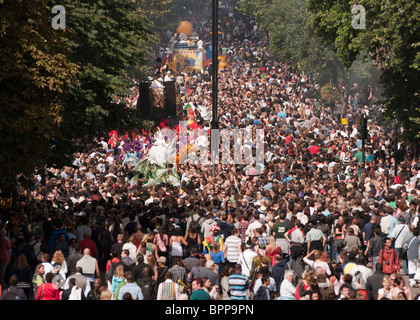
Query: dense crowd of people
x=326, y=220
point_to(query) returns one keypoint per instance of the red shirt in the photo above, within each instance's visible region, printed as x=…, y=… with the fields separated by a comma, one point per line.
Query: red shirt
x=313, y=149
x=48, y=291
x=108, y=264
x=391, y=256
x=89, y=244
x=277, y=250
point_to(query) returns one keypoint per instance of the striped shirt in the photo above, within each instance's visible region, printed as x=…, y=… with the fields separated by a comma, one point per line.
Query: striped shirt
x=239, y=285
x=232, y=252
x=168, y=290
x=178, y=273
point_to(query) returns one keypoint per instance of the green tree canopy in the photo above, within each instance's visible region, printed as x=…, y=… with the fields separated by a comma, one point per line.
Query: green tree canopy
x=58, y=86
x=390, y=38
x=291, y=36
x=35, y=74
x=109, y=38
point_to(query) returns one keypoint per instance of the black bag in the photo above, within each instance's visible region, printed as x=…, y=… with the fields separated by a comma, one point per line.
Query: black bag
x=404, y=250
x=111, y=271
x=147, y=288
x=403, y=254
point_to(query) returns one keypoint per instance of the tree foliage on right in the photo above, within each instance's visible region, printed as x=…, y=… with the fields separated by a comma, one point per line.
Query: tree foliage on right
x=390, y=38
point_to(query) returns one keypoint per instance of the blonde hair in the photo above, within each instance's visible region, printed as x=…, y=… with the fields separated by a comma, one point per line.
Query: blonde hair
x=106, y=294
x=386, y=277
x=58, y=257
x=317, y=254
x=216, y=247
x=271, y=242
x=119, y=271
x=151, y=261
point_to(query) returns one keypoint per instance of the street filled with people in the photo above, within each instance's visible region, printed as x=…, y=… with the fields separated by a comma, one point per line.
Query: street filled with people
x=329, y=217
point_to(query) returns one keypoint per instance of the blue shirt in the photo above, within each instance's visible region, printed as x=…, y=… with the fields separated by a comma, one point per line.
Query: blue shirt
x=239, y=285
x=392, y=224
x=132, y=288
x=217, y=257
x=282, y=115
x=367, y=229
x=271, y=286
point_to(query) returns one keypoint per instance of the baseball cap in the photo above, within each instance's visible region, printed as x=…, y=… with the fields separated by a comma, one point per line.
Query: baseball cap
x=161, y=259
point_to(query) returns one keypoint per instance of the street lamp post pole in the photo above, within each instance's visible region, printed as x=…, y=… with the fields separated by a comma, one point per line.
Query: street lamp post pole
x=215, y=50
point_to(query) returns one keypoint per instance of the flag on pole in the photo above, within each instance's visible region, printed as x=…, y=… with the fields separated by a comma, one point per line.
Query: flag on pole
x=208, y=56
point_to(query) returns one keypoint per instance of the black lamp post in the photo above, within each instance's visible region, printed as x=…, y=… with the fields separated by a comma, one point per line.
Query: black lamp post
x=214, y=61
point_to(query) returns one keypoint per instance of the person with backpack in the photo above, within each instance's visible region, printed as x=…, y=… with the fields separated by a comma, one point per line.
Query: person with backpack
x=196, y=218
x=111, y=265
x=38, y=278
x=117, y=278
x=375, y=245
x=13, y=292
x=127, y=261
x=206, y=227
x=398, y=237
x=147, y=284
x=389, y=259
x=137, y=270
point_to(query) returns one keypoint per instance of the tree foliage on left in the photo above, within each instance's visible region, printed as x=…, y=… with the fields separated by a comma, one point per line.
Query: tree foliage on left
x=35, y=74
x=109, y=39
x=57, y=86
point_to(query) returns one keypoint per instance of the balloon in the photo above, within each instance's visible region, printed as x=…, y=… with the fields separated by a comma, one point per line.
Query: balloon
x=185, y=27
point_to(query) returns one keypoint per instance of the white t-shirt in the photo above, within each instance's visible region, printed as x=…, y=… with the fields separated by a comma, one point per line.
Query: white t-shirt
x=387, y=295
x=245, y=260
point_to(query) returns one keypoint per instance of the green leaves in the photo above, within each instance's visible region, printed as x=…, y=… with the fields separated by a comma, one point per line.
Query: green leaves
x=57, y=86
x=292, y=37
x=391, y=40
x=35, y=74
x=107, y=40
